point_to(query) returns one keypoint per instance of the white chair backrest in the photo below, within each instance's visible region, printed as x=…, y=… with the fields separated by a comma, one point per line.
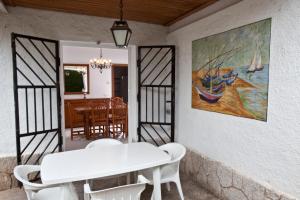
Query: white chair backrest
x=175, y=150
x=126, y=192
x=103, y=143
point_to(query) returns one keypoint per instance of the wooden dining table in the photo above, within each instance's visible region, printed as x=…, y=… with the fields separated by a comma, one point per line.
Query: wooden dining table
x=99, y=162
x=85, y=111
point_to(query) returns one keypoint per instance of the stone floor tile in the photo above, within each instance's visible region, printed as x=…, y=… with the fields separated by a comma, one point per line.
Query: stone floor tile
x=191, y=190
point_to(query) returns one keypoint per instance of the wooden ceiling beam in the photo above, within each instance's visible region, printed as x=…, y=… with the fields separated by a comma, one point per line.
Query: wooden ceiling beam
x=190, y=12
x=164, y=12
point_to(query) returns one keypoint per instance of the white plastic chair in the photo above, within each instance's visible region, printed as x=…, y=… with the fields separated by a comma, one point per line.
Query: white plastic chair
x=103, y=143
x=126, y=192
x=169, y=172
x=37, y=191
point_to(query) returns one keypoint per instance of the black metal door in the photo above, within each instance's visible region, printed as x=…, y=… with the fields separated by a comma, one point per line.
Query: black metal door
x=156, y=94
x=37, y=97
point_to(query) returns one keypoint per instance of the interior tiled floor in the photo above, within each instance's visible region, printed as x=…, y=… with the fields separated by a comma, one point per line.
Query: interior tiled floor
x=190, y=189
x=79, y=142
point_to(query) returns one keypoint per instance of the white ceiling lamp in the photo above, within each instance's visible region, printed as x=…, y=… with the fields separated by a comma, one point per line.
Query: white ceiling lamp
x=100, y=63
x=121, y=31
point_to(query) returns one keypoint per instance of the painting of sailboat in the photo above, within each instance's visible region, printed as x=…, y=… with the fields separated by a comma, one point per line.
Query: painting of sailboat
x=255, y=64
x=230, y=71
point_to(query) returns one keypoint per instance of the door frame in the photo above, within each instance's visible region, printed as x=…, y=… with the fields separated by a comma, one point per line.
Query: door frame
x=113, y=76
x=152, y=86
x=132, y=84
x=18, y=87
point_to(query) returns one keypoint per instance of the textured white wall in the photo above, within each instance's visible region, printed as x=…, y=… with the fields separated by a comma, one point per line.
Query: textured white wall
x=54, y=25
x=100, y=83
x=266, y=151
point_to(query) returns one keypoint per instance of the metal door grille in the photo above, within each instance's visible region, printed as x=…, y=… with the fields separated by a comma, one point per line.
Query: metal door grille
x=37, y=97
x=156, y=94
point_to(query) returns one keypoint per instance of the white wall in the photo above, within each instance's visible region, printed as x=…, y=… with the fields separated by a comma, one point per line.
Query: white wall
x=266, y=151
x=59, y=26
x=100, y=83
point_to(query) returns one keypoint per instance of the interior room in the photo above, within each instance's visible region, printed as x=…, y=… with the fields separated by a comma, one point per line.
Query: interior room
x=84, y=84
x=149, y=99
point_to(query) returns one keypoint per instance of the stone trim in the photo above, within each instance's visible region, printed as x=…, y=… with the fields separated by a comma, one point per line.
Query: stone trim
x=7, y=179
x=7, y=165
x=224, y=182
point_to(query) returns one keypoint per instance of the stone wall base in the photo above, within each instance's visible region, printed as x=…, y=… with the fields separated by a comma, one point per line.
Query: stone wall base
x=7, y=165
x=224, y=182
x=7, y=179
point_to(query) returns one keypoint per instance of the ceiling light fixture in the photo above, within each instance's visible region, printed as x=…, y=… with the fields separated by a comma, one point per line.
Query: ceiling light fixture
x=121, y=31
x=100, y=63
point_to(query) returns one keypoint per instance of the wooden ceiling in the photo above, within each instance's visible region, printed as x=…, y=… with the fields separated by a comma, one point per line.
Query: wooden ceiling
x=164, y=12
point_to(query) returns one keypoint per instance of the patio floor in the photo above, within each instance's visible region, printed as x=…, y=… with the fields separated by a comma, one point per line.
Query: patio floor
x=191, y=191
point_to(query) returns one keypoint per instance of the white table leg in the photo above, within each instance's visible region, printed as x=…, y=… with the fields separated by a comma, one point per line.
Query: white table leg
x=128, y=179
x=68, y=192
x=156, y=183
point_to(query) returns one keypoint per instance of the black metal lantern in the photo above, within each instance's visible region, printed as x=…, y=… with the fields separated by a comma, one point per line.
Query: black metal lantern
x=121, y=31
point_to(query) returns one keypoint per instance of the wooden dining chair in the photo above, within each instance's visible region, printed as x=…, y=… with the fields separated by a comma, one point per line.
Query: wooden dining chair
x=100, y=118
x=119, y=119
x=117, y=99
x=102, y=100
x=76, y=121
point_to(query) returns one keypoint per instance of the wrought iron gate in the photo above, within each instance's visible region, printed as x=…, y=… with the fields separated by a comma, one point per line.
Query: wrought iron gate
x=37, y=97
x=156, y=94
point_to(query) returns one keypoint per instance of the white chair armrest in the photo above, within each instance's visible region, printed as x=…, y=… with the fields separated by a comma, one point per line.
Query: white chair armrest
x=143, y=179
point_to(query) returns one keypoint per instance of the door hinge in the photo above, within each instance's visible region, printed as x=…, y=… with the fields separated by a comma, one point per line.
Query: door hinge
x=138, y=63
x=58, y=61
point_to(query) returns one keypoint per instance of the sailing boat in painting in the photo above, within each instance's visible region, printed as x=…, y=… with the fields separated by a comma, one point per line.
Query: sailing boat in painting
x=230, y=77
x=208, y=95
x=256, y=64
x=212, y=85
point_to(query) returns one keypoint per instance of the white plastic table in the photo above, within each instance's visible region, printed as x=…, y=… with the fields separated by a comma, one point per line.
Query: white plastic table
x=98, y=162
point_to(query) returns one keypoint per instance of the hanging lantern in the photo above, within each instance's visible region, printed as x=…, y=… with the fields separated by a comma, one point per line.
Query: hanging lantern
x=121, y=31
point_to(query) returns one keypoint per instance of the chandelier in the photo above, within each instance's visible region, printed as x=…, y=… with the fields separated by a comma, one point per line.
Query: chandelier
x=100, y=63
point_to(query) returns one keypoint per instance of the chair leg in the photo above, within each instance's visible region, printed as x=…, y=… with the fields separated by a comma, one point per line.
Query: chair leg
x=94, y=129
x=178, y=184
x=168, y=187
x=71, y=133
x=128, y=179
x=86, y=197
x=114, y=131
x=106, y=130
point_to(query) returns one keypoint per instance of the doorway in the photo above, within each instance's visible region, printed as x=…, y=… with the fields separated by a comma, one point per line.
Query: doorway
x=119, y=79
x=129, y=77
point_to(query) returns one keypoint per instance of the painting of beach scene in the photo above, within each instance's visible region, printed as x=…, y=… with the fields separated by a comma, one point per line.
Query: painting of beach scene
x=230, y=71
